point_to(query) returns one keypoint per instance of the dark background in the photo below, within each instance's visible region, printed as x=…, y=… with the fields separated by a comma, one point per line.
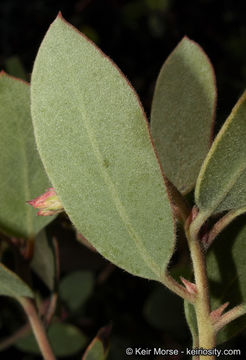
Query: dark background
x=138, y=35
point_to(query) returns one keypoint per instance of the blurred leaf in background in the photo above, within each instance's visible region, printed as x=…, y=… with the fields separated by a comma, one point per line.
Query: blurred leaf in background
x=75, y=288
x=65, y=339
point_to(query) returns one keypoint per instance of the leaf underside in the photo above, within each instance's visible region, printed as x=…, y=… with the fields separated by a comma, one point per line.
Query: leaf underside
x=183, y=111
x=221, y=183
x=93, y=139
x=22, y=176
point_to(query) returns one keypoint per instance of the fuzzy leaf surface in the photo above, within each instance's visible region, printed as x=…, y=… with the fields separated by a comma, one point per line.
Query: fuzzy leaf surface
x=94, y=141
x=227, y=273
x=221, y=184
x=183, y=111
x=12, y=285
x=22, y=176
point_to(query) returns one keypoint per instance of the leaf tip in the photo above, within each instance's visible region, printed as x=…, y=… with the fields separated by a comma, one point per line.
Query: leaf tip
x=59, y=18
x=104, y=334
x=11, y=77
x=242, y=98
x=186, y=38
x=59, y=15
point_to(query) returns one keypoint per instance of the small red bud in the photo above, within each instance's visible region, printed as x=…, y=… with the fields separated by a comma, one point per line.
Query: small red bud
x=216, y=314
x=47, y=203
x=190, y=287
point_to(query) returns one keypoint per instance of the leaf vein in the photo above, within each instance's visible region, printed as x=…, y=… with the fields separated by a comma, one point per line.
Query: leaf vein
x=117, y=202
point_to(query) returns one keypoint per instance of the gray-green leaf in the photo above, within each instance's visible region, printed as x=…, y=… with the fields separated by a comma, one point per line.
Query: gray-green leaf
x=183, y=111
x=12, y=285
x=94, y=141
x=221, y=184
x=22, y=176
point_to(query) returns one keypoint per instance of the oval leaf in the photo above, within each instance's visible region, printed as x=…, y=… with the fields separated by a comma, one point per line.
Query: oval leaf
x=157, y=314
x=65, y=340
x=22, y=176
x=183, y=108
x=221, y=184
x=76, y=288
x=93, y=138
x=12, y=285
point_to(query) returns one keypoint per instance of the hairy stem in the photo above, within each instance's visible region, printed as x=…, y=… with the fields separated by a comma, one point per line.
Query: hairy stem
x=206, y=331
x=37, y=327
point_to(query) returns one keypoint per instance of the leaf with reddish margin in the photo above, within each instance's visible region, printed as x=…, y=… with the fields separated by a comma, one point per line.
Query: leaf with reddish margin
x=221, y=184
x=183, y=111
x=99, y=346
x=94, y=141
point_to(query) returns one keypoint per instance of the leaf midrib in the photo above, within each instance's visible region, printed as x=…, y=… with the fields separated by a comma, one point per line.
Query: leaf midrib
x=148, y=260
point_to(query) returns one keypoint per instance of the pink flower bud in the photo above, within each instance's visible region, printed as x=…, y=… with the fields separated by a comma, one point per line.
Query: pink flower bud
x=47, y=203
x=190, y=287
x=215, y=315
